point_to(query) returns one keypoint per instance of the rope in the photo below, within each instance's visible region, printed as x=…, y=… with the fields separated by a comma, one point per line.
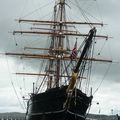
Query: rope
x=83, y=11
x=41, y=66
x=40, y=85
x=102, y=48
x=30, y=13
x=98, y=8
x=15, y=41
x=14, y=86
x=103, y=78
x=90, y=64
x=24, y=6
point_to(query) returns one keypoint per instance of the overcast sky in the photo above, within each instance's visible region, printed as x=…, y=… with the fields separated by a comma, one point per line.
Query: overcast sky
x=107, y=11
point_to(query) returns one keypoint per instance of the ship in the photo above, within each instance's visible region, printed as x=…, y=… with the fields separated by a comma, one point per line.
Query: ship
x=68, y=67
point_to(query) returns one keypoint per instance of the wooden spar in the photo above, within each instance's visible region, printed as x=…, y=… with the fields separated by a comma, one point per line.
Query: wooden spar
x=36, y=74
x=44, y=24
x=38, y=28
x=56, y=22
x=51, y=24
x=64, y=57
x=58, y=33
x=85, y=35
x=60, y=50
x=36, y=48
x=68, y=59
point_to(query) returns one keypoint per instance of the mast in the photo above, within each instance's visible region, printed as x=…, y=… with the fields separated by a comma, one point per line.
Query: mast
x=58, y=16
x=59, y=31
x=60, y=41
x=51, y=61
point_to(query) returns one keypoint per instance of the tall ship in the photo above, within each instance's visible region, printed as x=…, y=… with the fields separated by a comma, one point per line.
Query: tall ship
x=65, y=72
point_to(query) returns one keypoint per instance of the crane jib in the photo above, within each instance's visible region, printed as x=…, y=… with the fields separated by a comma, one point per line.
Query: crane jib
x=88, y=43
x=86, y=48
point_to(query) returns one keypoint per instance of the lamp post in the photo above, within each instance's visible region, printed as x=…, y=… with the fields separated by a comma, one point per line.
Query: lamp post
x=99, y=110
x=112, y=114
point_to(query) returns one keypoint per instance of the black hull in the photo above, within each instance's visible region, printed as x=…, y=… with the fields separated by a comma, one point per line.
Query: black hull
x=50, y=105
